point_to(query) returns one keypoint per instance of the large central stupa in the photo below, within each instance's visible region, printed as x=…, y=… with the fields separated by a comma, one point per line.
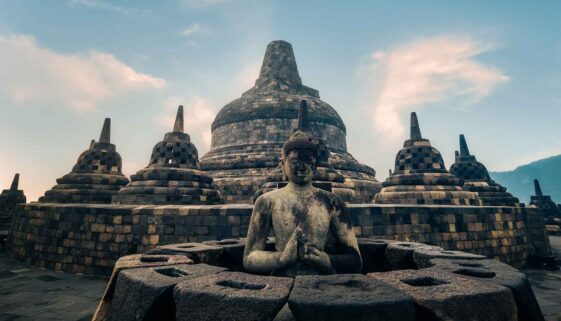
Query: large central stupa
x=248, y=133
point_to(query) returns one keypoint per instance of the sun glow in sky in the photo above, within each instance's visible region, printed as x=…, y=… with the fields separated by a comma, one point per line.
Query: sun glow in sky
x=490, y=70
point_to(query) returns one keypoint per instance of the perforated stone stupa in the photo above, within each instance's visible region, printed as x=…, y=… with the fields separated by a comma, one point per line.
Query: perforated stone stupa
x=95, y=178
x=173, y=175
x=544, y=201
x=476, y=179
x=9, y=198
x=325, y=177
x=420, y=176
x=248, y=133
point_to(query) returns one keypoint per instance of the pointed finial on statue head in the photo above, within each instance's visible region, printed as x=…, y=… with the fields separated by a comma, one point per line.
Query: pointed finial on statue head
x=537, y=188
x=303, y=122
x=15, y=183
x=178, y=126
x=415, y=129
x=464, y=151
x=105, y=136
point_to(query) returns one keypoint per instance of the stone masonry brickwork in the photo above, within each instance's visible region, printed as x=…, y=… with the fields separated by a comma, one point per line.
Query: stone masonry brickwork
x=9, y=198
x=83, y=238
x=248, y=133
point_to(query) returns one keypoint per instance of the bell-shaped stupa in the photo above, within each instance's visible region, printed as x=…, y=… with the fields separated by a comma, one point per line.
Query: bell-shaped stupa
x=544, y=202
x=173, y=175
x=249, y=132
x=420, y=176
x=95, y=178
x=476, y=179
x=9, y=198
x=325, y=177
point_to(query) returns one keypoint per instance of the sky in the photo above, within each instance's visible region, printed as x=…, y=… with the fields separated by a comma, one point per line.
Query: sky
x=487, y=69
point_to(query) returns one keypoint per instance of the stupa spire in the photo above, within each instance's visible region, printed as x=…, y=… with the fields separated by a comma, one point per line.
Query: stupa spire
x=178, y=126
x=303, y=122
x=279, y=66
x=464, y=151
x=15, y=183
x=105, y=136
x=415, y=129
x=537, y=188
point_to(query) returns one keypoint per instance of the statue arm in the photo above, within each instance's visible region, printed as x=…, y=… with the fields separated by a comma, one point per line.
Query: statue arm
x=255, y=258
x=348, y=260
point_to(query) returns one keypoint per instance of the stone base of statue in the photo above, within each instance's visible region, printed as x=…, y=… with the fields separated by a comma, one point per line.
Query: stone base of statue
x=400, y=281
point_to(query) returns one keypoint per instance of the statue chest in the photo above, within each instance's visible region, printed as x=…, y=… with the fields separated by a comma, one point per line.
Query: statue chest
x=314, y=220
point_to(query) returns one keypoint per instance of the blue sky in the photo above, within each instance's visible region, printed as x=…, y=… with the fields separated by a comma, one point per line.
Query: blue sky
x=487, y=69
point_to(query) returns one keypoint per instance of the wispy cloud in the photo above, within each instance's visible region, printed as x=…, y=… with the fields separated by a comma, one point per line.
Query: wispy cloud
x=191, y=30
x=199, y=115
x=30, y=74
x=108, y=6
x=203, y=3
x=429, y=71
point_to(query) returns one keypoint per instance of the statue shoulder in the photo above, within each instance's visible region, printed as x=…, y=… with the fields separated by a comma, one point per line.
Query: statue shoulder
x=264, y=201
x=330, y=198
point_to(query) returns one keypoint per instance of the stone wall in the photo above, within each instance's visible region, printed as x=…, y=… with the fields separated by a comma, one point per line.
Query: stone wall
x=90, y=238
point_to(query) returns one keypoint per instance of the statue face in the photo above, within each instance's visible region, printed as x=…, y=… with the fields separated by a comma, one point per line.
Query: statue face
x=299, y=166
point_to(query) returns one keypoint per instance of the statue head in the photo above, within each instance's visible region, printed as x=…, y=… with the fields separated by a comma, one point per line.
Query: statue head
x=300, y=151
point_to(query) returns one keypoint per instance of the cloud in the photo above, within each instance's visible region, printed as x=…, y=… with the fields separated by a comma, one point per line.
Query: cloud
x=108, y=6
x=203, y=3
x=198, y=116
x=30, y=74
x=193, y=29
x=429, y=71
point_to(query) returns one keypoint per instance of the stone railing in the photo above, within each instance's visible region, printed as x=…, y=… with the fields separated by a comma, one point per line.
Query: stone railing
x=90, y=238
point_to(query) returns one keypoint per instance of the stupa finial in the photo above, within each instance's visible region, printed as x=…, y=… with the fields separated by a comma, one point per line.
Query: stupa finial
x=178, y=126
x=415, y=130
x=15, y=183
x=456, y=153
x=279, y=66
x=303, y=121
x=105, y=136
x=464, y=151
x=537, y=188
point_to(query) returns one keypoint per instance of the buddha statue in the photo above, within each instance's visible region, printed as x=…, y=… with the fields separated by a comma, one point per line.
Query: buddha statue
x=311, y=226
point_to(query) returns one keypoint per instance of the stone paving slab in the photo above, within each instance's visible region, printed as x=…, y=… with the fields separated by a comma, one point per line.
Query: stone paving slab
x=30, y=293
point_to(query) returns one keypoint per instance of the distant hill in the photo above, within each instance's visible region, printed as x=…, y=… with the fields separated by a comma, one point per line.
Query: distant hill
x=520, y=181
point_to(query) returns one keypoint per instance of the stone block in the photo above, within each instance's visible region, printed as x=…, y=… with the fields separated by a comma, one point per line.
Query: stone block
x=372, y=253
x=231, y=296
x=348, y=297
x=444, y=296
x=131, y=262
x=198, y=252
x=399, y=255
x=423, y=256
x=147, y=293
x=232, y=255
x=497, y=273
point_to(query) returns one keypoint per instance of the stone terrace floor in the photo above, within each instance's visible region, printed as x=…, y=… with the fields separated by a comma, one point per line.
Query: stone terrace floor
x=30, y=293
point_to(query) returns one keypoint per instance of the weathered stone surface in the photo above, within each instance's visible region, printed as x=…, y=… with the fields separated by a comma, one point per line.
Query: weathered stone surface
x=147, y=293
x=348, y=297
x=499, y=273
x=232, y=255
x=444, y=296
x=400, y=255
x=9, y=198
x=544, y=202
x=198, y=252
x=95, y=178
x=372, y=252
x=476, y=179
x=248, y=133
x=423, y=256
x=420, y=176
x=132, y=262
x=231, y=296
x=173, y=175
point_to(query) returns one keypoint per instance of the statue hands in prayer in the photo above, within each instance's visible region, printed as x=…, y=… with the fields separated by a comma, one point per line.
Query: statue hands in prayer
x=311, y=226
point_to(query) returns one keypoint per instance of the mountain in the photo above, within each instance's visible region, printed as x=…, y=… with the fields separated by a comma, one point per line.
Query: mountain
x=520, y=181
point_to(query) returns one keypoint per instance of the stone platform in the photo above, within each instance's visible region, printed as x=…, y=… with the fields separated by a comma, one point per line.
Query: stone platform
x=400, y=281
x=87, y=238
x=22, y=284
